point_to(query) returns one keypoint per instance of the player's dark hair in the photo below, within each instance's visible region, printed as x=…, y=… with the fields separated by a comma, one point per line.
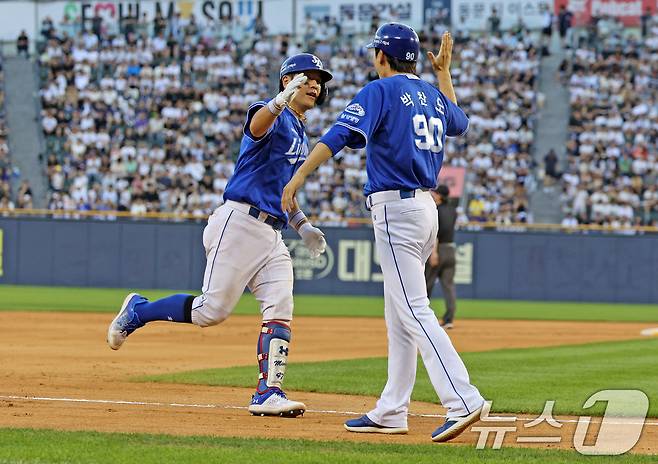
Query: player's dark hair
x=397, y=65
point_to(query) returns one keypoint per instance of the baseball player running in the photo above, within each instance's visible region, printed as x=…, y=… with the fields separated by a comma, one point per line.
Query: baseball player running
x=243, y=242
x=403, y=121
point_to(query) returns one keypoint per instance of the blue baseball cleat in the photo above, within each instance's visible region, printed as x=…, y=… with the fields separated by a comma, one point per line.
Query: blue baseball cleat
x=364, y=425
x=274, y=402
x=126, y=322
x=455, y=425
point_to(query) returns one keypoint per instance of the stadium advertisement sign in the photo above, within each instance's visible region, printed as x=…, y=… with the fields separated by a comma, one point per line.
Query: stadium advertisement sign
x=437, y=12
x=473, y=14
x=20, y=15
x=627, y=11
x=204, y=10
x=355, y=16
x=453, y=177
x=351, y=265
x=490, y=264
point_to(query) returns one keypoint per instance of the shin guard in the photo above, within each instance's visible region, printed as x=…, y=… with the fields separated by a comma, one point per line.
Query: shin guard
x=272, y=354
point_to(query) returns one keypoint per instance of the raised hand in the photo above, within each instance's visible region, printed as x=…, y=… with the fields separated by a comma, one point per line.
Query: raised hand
x=286, y=95
x=441, y=61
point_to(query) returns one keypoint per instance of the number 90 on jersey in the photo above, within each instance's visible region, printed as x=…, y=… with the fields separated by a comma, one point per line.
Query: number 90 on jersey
x=430, y=133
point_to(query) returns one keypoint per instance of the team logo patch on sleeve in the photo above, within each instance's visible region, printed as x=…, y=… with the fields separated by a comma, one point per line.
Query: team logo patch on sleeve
x=357, y=109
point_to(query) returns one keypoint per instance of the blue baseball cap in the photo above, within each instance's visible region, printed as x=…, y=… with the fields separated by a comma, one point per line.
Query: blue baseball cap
x=397, y=40
x=304, y=62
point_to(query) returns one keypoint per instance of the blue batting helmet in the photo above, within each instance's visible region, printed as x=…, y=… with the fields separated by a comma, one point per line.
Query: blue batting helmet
x=397, y=40
x=306, y=62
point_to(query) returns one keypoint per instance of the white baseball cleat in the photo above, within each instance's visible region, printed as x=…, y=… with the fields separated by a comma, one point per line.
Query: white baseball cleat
x=275, y=403
x=126, y=322
x=455, y=426
x=364, y=425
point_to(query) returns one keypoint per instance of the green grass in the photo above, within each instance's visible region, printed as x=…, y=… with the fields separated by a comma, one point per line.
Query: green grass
x=40, y=446
x=518, y=380
x=13, y=298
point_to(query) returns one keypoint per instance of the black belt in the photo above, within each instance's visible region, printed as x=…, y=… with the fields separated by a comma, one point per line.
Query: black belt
x=404, y=194
x=275, y=223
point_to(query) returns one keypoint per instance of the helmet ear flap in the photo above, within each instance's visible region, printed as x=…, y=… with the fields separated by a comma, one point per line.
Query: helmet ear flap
x=324, y=92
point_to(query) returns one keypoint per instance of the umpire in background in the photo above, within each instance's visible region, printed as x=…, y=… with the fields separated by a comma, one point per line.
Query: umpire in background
x=442, y=262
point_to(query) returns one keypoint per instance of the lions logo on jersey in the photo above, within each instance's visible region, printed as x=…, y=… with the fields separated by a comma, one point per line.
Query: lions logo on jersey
x=297, y=152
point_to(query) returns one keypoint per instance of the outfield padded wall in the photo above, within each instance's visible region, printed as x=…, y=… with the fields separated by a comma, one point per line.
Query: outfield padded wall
x=492, y=265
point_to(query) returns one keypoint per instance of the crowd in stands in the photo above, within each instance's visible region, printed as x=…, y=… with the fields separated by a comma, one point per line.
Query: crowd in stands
x=496, y=80
x=145, y=123
x=150, y=119
x=611, y=174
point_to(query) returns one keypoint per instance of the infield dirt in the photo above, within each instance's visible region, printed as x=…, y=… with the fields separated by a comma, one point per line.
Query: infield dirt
x=49, y=359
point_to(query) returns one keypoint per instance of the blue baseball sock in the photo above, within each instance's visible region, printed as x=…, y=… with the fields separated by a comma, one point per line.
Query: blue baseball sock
x=174, y=308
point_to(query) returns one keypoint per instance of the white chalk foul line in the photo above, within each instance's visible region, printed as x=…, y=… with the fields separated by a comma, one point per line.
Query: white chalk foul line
x=229, y=406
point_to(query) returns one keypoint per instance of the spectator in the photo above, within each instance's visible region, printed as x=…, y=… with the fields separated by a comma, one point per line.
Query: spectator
x=569, y=221
x=97, y=26
x=25, y=201
x=159, y=23
x=551, y=165
x=23, y=44
x=645, y=21
x=47, y=28
x=564, y=24
x=547, y=29
x=494, y=21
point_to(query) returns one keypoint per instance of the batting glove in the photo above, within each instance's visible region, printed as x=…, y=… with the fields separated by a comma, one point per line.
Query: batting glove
x=313, y=238
x=278, y=103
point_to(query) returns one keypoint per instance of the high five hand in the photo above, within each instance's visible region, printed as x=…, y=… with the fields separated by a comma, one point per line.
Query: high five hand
x=286, y=95
x=441, y=62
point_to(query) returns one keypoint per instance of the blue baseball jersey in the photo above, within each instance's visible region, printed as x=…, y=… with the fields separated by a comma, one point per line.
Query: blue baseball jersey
x=403, y=122
x=266, y=164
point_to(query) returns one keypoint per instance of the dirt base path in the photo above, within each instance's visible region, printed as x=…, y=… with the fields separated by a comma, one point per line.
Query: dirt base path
x=58, y=373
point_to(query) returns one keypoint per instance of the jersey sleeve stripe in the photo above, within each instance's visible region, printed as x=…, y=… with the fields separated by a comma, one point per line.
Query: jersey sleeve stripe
x=258, y=104
x=468, y=126
x=355, y=129
x=255, y=104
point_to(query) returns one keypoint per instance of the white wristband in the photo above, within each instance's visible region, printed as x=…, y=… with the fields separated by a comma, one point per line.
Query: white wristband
x=274, y=109
x=296, y=219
